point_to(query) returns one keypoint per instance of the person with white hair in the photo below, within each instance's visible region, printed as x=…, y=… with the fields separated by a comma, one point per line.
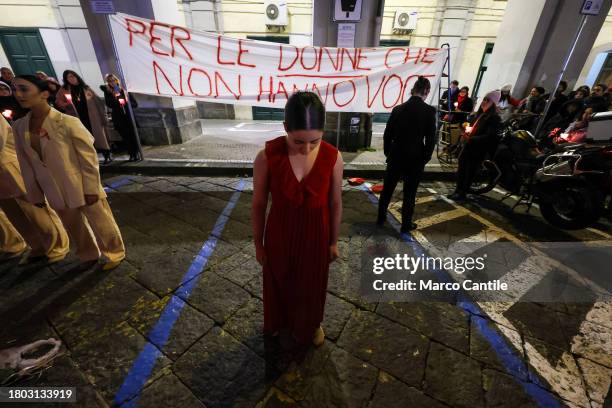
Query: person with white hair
x=507, y=103
x=7, y=76
x=482, y=137
x=9, y=108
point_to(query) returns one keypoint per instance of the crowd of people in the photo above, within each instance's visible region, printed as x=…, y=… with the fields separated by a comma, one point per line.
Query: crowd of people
x=51, y=194
x=52, y=197
x=74, y=97
x=566, y=120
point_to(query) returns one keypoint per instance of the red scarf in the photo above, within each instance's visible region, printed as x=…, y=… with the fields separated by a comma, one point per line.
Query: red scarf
x=460, y=100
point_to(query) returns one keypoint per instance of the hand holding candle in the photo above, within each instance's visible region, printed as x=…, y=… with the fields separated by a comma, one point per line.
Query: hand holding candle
x=7, y=113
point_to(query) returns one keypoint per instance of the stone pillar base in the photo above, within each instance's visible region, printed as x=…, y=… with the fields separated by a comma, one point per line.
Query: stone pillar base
x=167, y=126
x=212, y=110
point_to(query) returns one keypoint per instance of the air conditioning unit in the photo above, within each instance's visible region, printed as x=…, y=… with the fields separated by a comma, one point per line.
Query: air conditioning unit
x=275, y=12
x=405, y=21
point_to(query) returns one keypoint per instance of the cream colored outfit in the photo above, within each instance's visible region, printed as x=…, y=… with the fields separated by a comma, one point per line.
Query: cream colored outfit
x=10, y=240
x=40, y=227
x=64, y=171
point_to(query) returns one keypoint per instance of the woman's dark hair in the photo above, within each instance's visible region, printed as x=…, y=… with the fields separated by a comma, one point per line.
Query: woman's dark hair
x=304, y=111
x=41, y=84
x=421, y=86
x=583, y=91
x=467, y=89
x=540, y=90
x=585, y=88
x=78, y=77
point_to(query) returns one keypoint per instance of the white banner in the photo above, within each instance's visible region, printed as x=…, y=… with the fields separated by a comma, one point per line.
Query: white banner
x=163, y=59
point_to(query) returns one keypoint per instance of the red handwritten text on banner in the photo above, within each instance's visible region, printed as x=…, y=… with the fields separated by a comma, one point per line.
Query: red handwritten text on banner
x=163, y=59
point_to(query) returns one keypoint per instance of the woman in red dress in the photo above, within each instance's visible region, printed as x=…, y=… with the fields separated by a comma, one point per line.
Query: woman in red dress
x=304, y=175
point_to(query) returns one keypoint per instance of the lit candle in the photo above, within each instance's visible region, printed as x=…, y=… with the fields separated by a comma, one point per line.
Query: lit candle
x=468, y=129
x=121, y=101
x=7, y=113
x=456, y=104
x=69, y=97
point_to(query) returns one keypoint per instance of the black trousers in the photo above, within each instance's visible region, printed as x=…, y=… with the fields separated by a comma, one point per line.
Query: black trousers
x=410, y=173
x=469, y=163
x=128, y=135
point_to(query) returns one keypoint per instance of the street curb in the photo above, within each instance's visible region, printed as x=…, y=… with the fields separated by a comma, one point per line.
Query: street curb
x=146, y=168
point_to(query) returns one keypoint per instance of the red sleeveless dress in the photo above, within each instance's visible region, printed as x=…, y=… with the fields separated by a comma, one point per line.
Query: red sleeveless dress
x=297, y=239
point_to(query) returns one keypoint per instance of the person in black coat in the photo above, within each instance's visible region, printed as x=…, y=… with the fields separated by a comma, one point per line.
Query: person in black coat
x=559, y=99
x=483, y=139
x=409, y=141
x=567, y=113
x=114, y=97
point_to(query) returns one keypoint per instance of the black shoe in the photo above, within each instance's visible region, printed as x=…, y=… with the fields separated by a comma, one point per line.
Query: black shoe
x=406, y=229
x=457, y=196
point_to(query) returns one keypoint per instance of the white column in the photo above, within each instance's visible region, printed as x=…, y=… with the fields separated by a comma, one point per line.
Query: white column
x=533, y=41
x=71, y=47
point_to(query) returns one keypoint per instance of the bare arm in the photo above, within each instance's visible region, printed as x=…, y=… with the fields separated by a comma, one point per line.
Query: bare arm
x=335, y=206
x=260, y=203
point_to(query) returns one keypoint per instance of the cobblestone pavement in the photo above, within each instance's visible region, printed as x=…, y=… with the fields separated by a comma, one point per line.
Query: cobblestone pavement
x=179, y=323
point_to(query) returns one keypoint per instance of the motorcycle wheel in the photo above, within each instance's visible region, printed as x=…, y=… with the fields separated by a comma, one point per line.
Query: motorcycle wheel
x=485, y=179
x=573, y=206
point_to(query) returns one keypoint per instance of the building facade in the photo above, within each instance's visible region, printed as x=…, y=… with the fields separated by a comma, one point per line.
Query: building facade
x=52, y=35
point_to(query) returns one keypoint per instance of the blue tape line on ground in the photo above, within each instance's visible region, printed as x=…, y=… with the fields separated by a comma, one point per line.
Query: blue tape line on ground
x=119, y=183
x=505, y=352
x=145, y=362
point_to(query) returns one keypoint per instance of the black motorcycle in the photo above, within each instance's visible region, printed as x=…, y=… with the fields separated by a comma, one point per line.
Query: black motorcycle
x=513, y=165
x=574, y=186
x=572, y=183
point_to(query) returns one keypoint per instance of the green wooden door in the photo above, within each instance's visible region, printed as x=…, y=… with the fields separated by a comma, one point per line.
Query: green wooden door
x=26, y=51
x=259, y=112
x=384, y=117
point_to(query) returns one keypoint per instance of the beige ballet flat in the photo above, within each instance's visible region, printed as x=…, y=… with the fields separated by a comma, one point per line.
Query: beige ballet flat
x=319, y=337
x=111, y=265
x=55, y=259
